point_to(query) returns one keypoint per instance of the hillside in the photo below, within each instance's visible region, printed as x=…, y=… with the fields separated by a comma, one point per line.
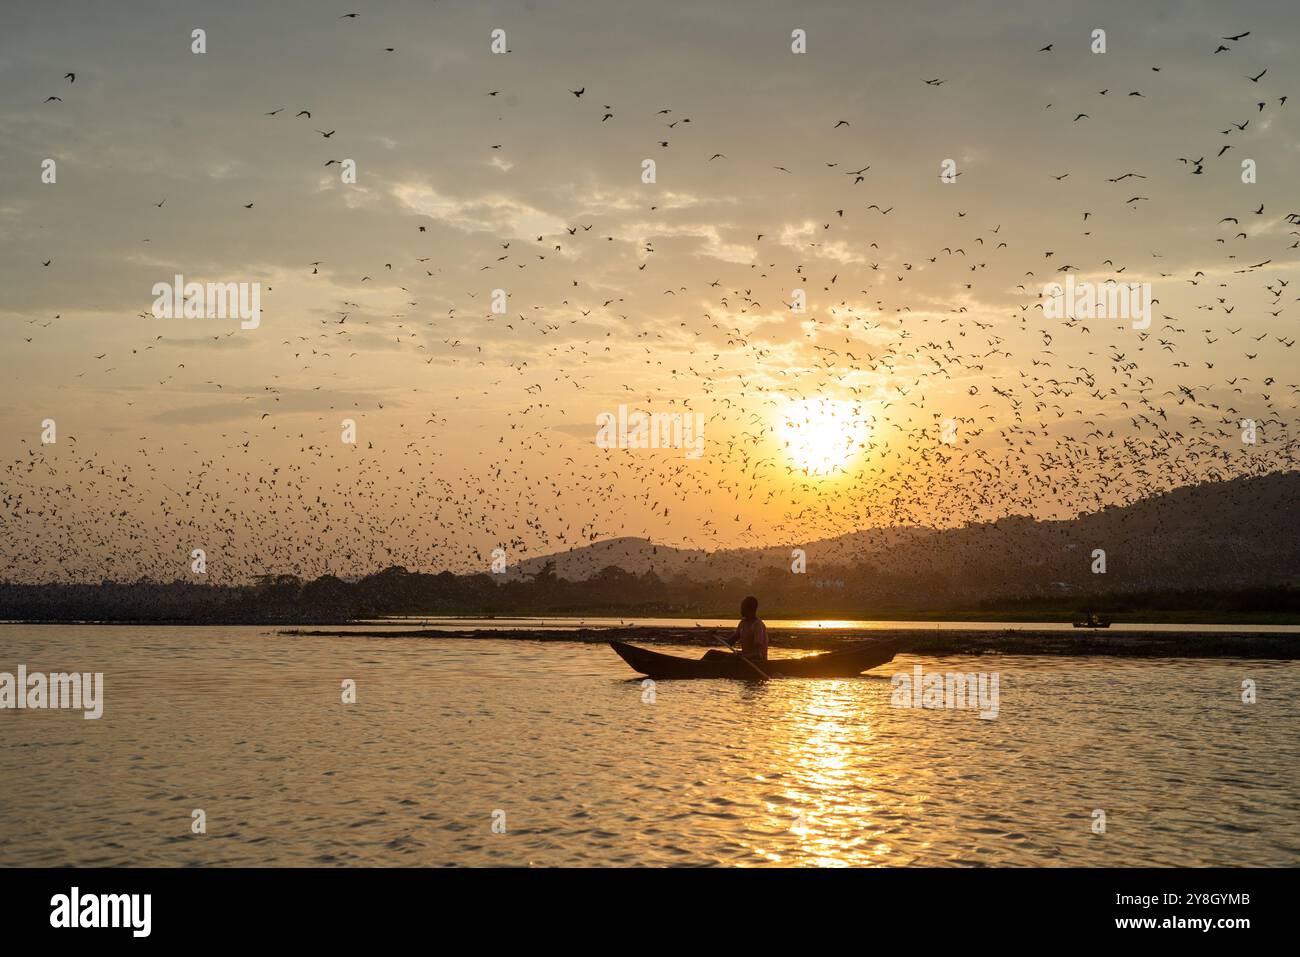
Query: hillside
x=1215, y=535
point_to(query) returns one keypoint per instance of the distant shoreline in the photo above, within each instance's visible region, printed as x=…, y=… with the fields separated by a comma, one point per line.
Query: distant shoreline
x=1008, y=616
x=1078, y=643
x=1131, y=642
x=613, y=594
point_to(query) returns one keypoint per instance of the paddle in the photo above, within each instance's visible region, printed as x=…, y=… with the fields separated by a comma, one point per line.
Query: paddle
x=732, y=649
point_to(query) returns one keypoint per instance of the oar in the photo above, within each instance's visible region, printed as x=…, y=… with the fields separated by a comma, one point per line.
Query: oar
x=732, y=649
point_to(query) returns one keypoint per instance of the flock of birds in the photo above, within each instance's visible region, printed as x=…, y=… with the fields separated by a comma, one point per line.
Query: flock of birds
x=1072, y=414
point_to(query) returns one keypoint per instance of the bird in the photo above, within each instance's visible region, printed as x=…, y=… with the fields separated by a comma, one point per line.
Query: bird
x=682, y=301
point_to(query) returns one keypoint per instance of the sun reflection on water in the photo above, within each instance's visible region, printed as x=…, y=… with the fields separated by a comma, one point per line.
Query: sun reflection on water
x=824, y=811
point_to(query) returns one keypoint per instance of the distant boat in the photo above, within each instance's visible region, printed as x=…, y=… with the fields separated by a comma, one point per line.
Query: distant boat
x=1092, y=621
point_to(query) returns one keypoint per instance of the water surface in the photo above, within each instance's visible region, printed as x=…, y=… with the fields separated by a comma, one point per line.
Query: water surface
x=802, y=624
x=563, y=741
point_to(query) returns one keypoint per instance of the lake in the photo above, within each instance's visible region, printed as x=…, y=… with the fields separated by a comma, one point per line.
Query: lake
x=802, y=624
x=494, y=752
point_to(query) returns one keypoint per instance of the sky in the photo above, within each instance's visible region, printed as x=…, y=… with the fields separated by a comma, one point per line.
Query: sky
x=923, y=382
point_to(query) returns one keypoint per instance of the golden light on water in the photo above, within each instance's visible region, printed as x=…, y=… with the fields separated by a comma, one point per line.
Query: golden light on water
x=819, y=623
x=827, y=804
x=822, y=436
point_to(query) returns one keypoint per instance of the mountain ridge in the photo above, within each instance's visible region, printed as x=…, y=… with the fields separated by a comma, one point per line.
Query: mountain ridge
x=1232, y=533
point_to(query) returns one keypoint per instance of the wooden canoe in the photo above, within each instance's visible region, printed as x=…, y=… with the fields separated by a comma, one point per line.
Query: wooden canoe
x=851, y=661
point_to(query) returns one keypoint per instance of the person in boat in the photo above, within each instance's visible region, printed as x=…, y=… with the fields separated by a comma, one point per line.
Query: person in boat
x=751, y=633
x=750, y=638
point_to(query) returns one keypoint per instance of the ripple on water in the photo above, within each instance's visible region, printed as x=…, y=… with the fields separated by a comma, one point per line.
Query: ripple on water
x=445, y=734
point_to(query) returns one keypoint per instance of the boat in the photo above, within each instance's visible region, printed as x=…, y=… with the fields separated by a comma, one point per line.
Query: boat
x=1092, y=621
x=847, y=663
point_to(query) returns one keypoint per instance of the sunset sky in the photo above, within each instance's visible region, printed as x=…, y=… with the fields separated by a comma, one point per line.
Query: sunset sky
x=478, y=172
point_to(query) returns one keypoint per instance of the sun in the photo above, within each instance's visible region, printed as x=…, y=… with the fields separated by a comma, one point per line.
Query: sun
x=821, y=436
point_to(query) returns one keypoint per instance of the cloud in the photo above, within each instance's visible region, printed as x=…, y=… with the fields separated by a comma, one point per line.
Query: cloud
x=491, y=213
x=597, y=200
x=713, y=244
x=283, y=402
x=807, y=238
x=206, y=414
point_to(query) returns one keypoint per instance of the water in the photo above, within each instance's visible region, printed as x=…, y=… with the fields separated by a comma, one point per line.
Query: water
x=568, y=624
x=249, y=727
